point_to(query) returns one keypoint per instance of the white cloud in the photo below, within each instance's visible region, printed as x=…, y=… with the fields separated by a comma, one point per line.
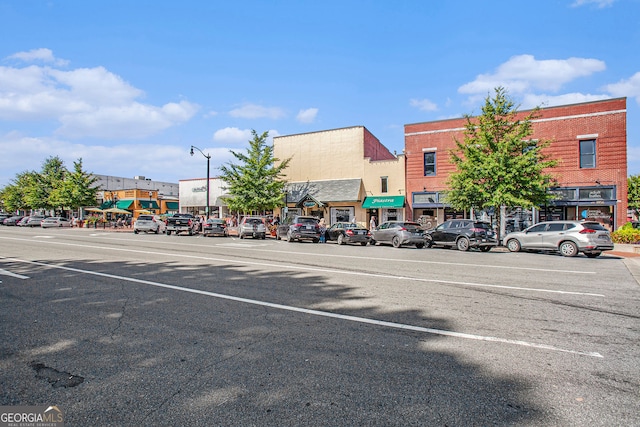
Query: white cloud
x=232, y=135
x=307, y=116
x=599, y=3
x=253, y=111
x=41, y=55
x=168, y=163
x=423, y=105
x=629, y=88
x=524, y=73
x=89, y=102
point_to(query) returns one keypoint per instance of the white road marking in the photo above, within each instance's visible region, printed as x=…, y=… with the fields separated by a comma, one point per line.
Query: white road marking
x=320, y=255
x=322, y=313
x=10, y=274
x=322, y=269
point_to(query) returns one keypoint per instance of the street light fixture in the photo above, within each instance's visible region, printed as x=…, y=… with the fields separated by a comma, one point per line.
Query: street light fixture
x=208, y=157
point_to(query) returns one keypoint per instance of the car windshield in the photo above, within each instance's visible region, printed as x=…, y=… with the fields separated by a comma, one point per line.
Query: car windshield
x=483, y=225
x=253, y=221
x=594, y=226
x=145, y=218
x=307, y=220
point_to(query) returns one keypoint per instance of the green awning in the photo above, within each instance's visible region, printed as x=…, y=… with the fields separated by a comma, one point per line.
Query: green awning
x=146, y=204
x=376, y=202
x=106, y=205
x=172, y=206
x=124, y=204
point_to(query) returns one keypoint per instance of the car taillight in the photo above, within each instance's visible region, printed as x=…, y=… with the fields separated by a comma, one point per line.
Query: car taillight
x=477, y=230
x=403, y=229
x=349, y=232
x=298, y=225
x=588, y=231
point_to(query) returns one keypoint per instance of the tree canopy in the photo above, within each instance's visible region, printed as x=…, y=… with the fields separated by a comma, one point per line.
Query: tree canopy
x=256, y=183
x=633, y=193
x=498, y=163
x=53, y=188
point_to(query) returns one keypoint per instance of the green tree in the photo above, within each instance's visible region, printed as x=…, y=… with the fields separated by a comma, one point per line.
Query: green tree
x=77, y=189
x=633, y=193
x=40, y=194
x=255, y=184
x=497, y=163
x=13, y=195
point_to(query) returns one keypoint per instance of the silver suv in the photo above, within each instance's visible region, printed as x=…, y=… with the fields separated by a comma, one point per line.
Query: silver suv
x=567, y=237
x=398, y=233
x=252, y=226
x=148, y=224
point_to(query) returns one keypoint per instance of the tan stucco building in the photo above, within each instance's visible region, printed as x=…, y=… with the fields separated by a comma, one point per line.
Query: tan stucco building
x=342, y=174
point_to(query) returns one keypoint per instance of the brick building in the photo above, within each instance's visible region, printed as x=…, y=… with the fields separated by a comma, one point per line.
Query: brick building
x=589, y=141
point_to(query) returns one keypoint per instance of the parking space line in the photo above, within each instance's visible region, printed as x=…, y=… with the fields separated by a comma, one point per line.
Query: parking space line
x=321, y=313
x=10, y=274
x=283, y=265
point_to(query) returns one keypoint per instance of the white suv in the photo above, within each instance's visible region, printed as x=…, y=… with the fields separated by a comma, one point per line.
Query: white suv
x=148, y=223
x=252, y=226
x=567, y=237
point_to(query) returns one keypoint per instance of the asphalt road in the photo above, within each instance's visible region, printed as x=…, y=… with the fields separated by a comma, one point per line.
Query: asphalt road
x=118, y=329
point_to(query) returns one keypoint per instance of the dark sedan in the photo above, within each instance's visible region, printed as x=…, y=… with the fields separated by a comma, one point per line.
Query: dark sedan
x=462, y=234
x=215, y=227
x=347, y=232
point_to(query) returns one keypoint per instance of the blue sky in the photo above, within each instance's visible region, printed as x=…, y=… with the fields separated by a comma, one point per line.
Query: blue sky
x=129, y=86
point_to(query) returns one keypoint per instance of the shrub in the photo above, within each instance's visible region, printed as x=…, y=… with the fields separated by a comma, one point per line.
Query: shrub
x=626, y=234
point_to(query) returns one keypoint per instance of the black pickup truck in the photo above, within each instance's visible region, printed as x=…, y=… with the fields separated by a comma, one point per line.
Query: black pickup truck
x=182, y=222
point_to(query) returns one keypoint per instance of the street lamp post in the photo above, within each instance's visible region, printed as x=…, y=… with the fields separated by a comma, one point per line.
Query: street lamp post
x=208, y=157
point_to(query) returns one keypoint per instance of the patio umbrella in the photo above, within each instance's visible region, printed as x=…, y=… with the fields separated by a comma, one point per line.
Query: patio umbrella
x=116, y=210
x=93, y=209
x=143, y=211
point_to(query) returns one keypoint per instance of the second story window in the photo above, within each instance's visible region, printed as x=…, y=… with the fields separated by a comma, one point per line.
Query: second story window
x=588, y=154
x=429, y=163
x=384, y=184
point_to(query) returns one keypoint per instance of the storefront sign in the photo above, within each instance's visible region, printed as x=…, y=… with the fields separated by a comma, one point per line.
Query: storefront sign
x=596, y=194
x=309, y=204
x=425, y=198
x=202, y=189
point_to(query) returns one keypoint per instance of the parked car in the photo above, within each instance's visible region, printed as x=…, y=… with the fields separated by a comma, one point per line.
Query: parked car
x=348, y=232
x=398, y=233
x=23, y=221
x=252, y=226
x=215, y=227
x=567, y=237
x=299, y=228
x=13, y=220
x=3, y=216
x=55, y=221
x=148, y=224
x=463, y=234
x=32, y=221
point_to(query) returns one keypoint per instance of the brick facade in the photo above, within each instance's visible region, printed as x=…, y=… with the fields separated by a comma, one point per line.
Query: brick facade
x=602, y=121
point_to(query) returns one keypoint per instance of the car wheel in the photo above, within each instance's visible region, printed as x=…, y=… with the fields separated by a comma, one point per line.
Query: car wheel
x=136, y=231
x=428, y=242
x=168, y=232
x=157, y=230
x=341, y=240
x=485, y=248
x=419, y=245
x=568, y=249
x=513, y=245
x=592, y=254
x=372, y=242
x=241, y=236
x=462, y=244
x=363, y=243
x=396, y=242
x=278, y=236
x=315, y=240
